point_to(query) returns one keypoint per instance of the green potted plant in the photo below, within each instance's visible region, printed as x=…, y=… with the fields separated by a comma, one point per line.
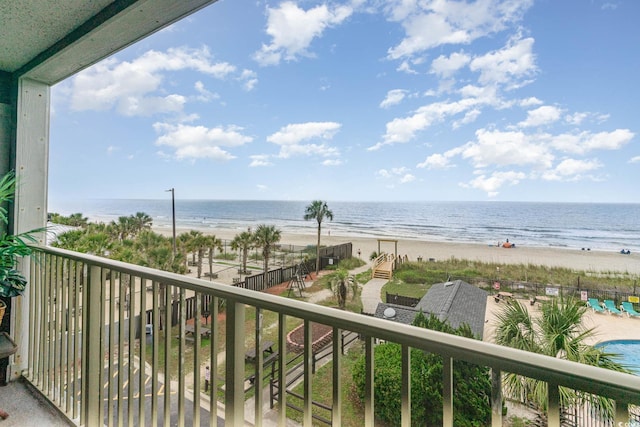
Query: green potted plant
x=12, y=247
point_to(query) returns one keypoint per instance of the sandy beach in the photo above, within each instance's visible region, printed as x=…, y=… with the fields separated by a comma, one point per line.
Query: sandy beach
x=576, y=259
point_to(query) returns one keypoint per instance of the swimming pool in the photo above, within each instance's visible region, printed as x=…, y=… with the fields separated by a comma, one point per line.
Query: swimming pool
x=629, y=351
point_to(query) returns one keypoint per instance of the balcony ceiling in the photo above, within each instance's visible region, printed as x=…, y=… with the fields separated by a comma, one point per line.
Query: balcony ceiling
x=29, y=27
x=49, y=40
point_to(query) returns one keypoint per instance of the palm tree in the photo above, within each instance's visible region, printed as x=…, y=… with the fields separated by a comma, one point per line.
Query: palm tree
x=212, y=243
x=244, y=242
x=557, y=332
x=266, y=237
x=141, y=221
x=318, y=210
x=340, y=282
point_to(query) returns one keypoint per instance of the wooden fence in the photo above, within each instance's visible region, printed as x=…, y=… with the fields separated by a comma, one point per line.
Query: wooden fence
x=328, y=256
x=261, y=282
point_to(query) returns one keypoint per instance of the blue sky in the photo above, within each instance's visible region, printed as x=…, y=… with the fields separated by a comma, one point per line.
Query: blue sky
x=514, y=100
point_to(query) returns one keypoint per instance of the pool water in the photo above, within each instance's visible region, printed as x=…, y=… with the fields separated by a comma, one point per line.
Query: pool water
x=629, y=351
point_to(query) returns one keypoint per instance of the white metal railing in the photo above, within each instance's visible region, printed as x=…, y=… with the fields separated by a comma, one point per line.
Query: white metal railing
x=90, y=354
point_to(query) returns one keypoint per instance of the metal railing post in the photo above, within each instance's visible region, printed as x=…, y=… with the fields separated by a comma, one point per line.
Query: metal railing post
x=92, y=345
x=234, y=396
x=496, y=398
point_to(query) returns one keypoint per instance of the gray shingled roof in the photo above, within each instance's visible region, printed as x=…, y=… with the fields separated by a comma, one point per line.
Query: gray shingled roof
x=403, y=314
x=454, y=302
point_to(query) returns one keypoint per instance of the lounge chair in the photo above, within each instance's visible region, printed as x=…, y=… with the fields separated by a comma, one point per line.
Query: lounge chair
x=628, y=308
x=594, y=303
x=610, y=306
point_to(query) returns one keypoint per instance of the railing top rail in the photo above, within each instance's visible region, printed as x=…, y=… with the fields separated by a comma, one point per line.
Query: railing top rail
x=590, y=379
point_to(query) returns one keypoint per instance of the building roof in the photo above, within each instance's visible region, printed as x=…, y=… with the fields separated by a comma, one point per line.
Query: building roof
x=453, y=302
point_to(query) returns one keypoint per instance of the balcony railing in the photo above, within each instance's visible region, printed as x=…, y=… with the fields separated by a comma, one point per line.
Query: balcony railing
x=102, y=348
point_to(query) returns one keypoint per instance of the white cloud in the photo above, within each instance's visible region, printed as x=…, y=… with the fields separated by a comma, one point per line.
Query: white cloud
x=402, y=130
x=204, y=95
x=399, y=175
x=635, y=159
x=290, y=139
x=583, y=142
x=405, y=67
x=446, y=66
x=293, y=29
x=530, y=102
x=196, y=142
x=295, y=133
x=435, y=161
x=249, y=79
x=134, y=88
x=507, y=66
x=332, y=162
x=544, y=115
x=262, y=187
x=112, y=149
x=430, y=24
x=260, y=160
x=492, y=183
x=506, y=148
x=576, y=118
x=571, y=169
x=469, y=117
x=394, y=97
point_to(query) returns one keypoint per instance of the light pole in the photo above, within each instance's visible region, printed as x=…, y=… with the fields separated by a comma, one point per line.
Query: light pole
x=173, y=216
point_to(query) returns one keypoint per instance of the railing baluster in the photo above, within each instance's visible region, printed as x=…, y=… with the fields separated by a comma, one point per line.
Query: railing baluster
x=77, y=333
x=336, y=407
x=92, y=348
x=57, y=289
x=369, y=382
x=111, y=403
x=50, y=352
x=182, y=311
x=120, y=371
x=155, y=352
x=257, y=379
x=308, y=385
x=130, y=301
x=447, y=391
x=143, y=352
x=213, y=357
x=622, y=414
x=496, y=397
x=196, y=360
x=234, y=383
x=553, y=412
x=167, y=355
x=68, y=334
x=406, y=386
x=282, y=369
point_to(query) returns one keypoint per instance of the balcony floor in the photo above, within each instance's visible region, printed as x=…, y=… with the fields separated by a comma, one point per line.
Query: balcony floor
x=26, y=407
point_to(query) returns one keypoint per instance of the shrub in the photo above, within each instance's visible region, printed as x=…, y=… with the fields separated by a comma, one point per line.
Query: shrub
x=472, y=385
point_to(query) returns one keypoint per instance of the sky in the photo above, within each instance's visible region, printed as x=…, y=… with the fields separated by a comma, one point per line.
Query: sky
x=382, y=100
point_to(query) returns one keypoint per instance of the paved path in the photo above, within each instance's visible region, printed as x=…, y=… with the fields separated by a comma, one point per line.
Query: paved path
x=371, y=295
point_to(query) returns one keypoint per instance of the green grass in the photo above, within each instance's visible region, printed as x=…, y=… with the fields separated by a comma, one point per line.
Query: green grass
x=322, y=383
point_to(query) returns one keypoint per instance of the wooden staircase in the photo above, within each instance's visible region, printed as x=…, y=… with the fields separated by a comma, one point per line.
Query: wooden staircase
x=383, y=267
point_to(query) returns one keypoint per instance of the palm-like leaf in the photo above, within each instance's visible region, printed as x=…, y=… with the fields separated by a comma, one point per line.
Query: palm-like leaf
x=556, y=332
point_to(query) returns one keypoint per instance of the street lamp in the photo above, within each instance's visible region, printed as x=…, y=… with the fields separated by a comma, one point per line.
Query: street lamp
x=173, y=216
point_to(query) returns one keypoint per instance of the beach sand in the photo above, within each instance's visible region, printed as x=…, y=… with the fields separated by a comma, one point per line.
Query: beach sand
x=575, y=259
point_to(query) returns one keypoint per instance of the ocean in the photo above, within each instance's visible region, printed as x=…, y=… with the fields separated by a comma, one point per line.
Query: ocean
x=595, y=226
